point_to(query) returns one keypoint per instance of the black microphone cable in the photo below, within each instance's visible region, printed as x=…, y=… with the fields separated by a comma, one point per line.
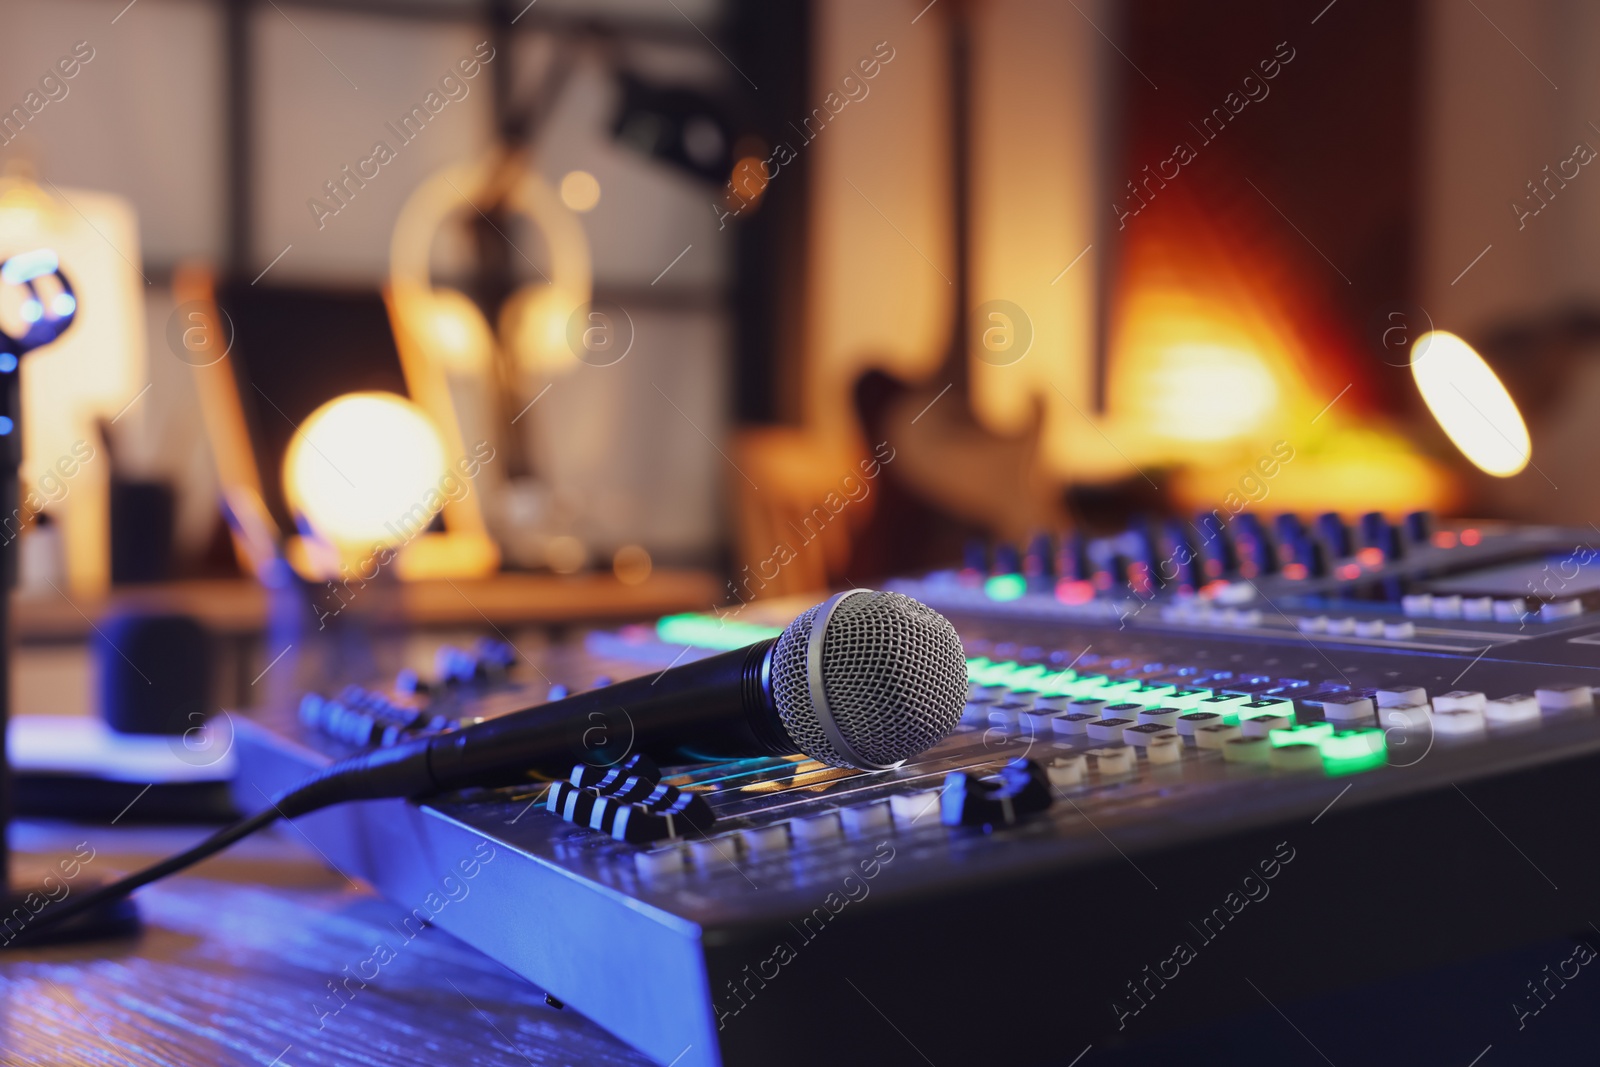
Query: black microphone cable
x=397, y=771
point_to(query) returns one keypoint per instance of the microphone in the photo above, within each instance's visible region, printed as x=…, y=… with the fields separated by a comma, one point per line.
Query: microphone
x=865, y=679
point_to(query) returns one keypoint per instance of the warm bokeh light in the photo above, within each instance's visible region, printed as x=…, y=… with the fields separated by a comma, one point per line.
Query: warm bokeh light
x=365, y=469
x=631, y=564
x=453, y=329
x=1471, y=404
x=580, y=191
x=1209, y=392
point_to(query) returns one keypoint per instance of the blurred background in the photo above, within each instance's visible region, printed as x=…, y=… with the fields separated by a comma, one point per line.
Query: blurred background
x=535, y=314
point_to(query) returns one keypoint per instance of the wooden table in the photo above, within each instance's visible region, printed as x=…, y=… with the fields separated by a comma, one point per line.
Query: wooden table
x=235, y=964
x=239, y=607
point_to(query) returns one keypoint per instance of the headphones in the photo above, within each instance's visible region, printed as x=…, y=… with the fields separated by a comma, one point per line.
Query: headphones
x=533, y=322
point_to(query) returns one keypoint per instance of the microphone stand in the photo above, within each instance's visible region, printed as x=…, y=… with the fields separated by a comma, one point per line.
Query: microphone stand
x=50, y=316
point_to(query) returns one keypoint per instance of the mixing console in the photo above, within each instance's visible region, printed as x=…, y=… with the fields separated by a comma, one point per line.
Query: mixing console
x=1154, y=721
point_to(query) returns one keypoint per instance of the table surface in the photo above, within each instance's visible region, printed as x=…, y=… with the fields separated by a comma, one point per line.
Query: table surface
x=235, y=963
x=240, y=606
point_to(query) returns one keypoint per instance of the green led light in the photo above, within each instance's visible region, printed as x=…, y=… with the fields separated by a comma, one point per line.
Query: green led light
x=1306, y=733
x=1005, y=586
x=1354, y=764
x=1059, y=684
x=1187, y=699
x=708, y=631
x=1352, y=744
x=1031, y=679
x=1227, y=707
x=1152, y=693
x=976, y=667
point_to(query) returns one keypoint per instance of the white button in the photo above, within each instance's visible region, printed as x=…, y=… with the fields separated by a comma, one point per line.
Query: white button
x=1144, y=733
x=1564, y=697
x=1346, y=625
x=1073, y=722
x=714, y=852
x=865, y=818
x=1107, y=729
x=1405, y=716
x=1458, y=722
x=656, y=864
x=1164, y=716
x=1247, y=750
x=1401, y=695
x=1399, y=631
x=1195, y=720
x=1520, y=708
x=1262, y=725
x=912, y=808
x=1117, y=760
x=1005, y=714
x=1088, y=705
x=1347, y=709
x=1479, y=608
x=1511, y=609
x=1418, y=605
x=1297, y=756
x=1460, y=700
x=1560, y=609
x=1215, y=736
x=1066, y=770
x=1036, y=722
x=1312, y=624
x=1372, y=628
x=767, y=840
x=1164, y=749
x=1447, y=607
x=1052, y=701
x=816, y=829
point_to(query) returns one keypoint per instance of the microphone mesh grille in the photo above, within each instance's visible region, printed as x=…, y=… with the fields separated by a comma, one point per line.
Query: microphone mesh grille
x=894, y=673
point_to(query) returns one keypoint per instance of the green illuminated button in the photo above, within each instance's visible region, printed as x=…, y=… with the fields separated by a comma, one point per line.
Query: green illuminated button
x=1152, y=693
x=1268, y=706
x=1352, y=744
x=1310, y=733
x=1227, y=707
x=1353, y=764
x=1165, y=716
x=1296, y=756
x=708, y=631
x=1187, y=699
x=1245, y=749
x=1121, y=687
x=1005, y=587
x=1029, y=678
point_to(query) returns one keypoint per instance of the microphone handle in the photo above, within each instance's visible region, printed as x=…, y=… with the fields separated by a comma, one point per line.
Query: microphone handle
x=719, y=706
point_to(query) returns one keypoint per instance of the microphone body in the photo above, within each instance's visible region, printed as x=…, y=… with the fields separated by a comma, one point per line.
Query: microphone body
x=864, y=680
x=714, y=707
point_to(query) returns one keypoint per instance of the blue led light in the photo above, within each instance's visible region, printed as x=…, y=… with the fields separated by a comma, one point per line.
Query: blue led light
x=8, y=362
x=32, y=311
x=63, y=305
x=6, y=425
x=30, y=265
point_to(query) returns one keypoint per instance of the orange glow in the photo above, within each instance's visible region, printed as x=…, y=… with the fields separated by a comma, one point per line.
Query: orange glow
x=1444, y=539
x=749, y=182
x=1470, y=536
x=1295, y=572
x=1349, y=571
x=1372, y=557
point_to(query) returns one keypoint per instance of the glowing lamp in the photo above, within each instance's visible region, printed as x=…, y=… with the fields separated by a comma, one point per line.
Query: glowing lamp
x=1472, y=406
x=580, y=191
x=366, y=469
